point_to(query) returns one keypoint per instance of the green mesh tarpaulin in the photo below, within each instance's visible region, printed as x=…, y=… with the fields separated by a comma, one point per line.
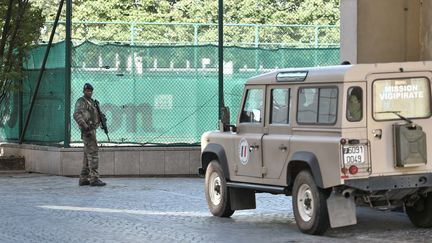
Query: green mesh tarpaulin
x=150, y=94
x=47, y=123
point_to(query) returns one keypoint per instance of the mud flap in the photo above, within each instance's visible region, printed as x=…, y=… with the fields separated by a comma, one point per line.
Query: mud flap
x=242, y=198
x=341, y=210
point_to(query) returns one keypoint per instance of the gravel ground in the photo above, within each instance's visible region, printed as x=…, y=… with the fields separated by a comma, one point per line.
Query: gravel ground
x=42, y=208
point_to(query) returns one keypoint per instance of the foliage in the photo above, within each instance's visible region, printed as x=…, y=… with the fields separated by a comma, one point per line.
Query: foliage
x=20, y=29
x=275, y=12
x=201, y=11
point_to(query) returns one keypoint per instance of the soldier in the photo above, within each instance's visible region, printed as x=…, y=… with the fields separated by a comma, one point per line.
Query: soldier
x=355, y=105
x=88, y=120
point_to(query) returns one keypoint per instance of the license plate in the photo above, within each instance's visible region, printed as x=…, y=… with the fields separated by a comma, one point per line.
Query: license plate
x=354, y=154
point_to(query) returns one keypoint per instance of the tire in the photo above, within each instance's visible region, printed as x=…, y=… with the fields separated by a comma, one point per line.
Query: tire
x=216, y=191
x=421, y=213
x=309, y=205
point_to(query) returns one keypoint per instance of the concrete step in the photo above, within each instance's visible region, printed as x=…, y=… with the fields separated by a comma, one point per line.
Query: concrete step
x=12, y=163
x=12, y=172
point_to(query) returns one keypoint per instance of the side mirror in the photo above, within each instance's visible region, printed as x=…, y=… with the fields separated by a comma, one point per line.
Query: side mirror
x=224, y=125
x=225, y=115
x=227, y=127
x=233, y=128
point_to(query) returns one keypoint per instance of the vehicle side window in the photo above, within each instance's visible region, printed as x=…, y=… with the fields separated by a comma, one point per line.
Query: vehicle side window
x=354, y=104
x=317, y=105
x=253, y=109
x=280, y=106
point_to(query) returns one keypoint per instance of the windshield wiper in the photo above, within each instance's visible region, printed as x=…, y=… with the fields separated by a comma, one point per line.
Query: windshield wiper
x=397, y=114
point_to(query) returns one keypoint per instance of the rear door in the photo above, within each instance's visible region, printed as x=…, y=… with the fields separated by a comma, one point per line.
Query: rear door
x=276, y=142
x=392, y=95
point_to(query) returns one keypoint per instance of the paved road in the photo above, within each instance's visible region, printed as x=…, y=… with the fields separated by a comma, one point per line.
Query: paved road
x=41, y=208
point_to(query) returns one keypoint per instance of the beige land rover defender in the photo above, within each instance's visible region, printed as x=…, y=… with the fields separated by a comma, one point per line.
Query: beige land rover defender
x=332, y=138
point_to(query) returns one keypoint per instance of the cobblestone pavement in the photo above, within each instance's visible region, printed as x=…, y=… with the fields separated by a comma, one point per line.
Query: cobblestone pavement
x=41, y=208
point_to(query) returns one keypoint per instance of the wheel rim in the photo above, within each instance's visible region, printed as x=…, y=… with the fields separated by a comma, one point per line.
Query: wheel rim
x=305, y=202
x=214, y=190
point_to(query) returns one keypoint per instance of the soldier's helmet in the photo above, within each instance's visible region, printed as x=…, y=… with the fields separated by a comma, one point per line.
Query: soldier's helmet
x=87, y=86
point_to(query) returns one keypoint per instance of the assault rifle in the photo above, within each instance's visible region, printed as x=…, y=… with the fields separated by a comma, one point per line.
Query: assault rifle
x=103, y=119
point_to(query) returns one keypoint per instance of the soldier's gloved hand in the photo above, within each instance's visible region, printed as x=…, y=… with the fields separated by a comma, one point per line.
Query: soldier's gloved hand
x=86, y=129
x=103, y=118
x=88, y=133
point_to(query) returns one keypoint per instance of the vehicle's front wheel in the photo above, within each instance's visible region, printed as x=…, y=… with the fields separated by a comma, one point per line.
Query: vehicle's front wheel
x=309, y=205
x=420, y=213
x=216, y=191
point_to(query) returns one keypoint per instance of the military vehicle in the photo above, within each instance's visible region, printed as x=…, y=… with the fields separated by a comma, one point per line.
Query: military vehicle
x=333, y=138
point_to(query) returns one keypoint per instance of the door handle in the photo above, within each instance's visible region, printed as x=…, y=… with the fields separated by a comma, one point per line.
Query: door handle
x=377, y=133
x=253, y=147
x=283, y=148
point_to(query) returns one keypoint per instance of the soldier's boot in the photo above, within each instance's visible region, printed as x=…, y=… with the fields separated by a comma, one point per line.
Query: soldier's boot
x=83, y=182
x=97, y=182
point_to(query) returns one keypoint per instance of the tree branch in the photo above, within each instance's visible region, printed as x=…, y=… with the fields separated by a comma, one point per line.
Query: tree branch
x=6, y=29
x=22, y=5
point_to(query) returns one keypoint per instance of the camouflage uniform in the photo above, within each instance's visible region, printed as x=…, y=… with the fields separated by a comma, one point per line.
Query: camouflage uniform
x=86, y=115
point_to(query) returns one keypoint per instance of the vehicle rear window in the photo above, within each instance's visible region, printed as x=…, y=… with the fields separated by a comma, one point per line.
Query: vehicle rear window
x=408, y=97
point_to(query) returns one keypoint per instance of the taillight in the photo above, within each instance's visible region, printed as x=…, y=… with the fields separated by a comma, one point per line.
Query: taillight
x=344, y=170
x=353, y=169
x=343, y=141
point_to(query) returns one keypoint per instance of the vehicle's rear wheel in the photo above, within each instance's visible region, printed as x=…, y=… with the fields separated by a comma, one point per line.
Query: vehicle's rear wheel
x=309, y=205
x=216, y=190
x=420, y=213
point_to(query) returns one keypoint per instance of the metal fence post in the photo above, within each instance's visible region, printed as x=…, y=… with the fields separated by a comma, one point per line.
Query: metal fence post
x=68, y=74
x=257, y=32
x=132, y=33
x=195, y=61
x=195, y=34
x=316, y=45
x=221, y=57
x=256, y=47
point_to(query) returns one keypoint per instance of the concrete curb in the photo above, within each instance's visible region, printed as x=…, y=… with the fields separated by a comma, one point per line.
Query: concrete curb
x=113, y=161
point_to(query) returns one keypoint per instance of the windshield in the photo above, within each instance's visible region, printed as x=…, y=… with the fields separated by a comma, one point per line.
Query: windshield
x=409, y=97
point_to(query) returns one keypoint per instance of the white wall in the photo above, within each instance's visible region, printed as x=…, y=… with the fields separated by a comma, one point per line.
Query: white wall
x=386, y=30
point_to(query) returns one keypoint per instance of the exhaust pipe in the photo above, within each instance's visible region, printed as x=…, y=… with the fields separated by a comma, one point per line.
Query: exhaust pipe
x=348, y=192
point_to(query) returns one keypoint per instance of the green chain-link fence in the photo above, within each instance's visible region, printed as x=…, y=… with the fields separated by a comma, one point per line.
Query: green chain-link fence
x=151, y=94
x=243, y=35
x=160, y=86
